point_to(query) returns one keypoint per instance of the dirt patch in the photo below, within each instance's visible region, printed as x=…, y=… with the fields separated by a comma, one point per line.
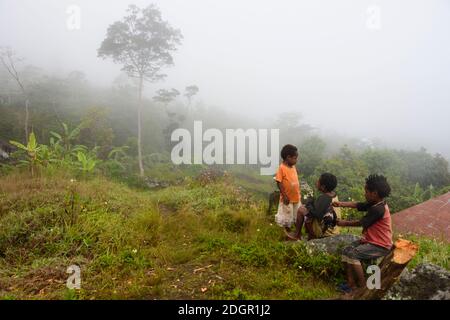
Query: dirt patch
x=165, y=210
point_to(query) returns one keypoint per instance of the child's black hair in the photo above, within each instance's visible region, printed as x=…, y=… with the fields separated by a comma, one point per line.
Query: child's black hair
x=378, y=183
x=288, y=150
x=328, y=181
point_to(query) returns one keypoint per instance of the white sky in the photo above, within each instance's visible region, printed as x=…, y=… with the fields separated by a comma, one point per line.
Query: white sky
x=259, y=58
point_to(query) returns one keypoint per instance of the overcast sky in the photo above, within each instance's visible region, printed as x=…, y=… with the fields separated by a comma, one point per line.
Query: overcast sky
x=366, y=68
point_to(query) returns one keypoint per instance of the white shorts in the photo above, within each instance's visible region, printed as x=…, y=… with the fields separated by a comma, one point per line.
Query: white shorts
x=287, y=214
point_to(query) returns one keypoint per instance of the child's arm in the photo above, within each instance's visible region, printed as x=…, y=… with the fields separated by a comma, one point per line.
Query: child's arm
x=347, y=223
x=353, y=205
x=283, y=193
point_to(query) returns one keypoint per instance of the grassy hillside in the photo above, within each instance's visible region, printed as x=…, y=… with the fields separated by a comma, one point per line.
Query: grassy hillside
x=205, y=239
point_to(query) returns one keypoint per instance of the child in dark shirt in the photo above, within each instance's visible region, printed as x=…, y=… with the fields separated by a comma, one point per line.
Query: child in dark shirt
x=319, y=208
x=376, y=240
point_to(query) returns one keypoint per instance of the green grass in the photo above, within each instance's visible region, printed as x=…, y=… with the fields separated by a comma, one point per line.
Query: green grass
x=205, y=239
x=430, y=251
x=200, y=240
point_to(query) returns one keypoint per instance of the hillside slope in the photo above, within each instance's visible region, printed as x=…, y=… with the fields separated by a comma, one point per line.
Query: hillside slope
x=205, y=239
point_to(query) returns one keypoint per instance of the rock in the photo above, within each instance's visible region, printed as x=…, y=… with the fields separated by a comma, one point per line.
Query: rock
x=155, y=183
x=441, y=295
x=3, y=155
x=333, y=244
x=426, y=282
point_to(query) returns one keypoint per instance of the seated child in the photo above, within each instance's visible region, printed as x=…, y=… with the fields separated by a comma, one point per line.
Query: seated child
x=376, y=240
x=319, y=209
x=287, y=181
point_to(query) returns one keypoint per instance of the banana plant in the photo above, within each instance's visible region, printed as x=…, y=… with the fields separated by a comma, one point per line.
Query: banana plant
x=419, y=195
x=117, y=155
x=67, y=136
x=56, y=148
x=87, y=162
x=78, y=148
x=45, y=155
x=32, y=149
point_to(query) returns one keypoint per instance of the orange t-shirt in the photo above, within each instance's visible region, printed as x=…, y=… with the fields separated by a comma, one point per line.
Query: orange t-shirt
x=288, y=178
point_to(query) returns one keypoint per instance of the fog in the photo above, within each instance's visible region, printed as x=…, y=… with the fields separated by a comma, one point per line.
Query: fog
x=369, y=69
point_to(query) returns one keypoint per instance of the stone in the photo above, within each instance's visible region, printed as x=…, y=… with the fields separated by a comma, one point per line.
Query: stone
x=426, y=282
x=333, y=244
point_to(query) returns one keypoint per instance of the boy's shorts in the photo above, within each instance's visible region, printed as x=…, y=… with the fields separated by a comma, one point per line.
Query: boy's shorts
x=357, y=251
x=287, y=214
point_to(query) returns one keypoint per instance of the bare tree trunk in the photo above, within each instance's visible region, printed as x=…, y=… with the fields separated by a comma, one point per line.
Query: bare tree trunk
x=32, y=169
x=27, y=104
x=391, y=268
x=141, y=167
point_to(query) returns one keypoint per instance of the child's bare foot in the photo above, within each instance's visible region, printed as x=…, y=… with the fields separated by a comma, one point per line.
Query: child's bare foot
x=346, y=296
x=291, y=236
x=355, y=292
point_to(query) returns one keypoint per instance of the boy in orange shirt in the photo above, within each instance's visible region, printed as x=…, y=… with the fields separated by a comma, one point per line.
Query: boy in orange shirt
x=287, y=181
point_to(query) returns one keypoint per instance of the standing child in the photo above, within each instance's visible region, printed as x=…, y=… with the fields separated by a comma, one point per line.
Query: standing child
x=376, y=240
x=287, y=181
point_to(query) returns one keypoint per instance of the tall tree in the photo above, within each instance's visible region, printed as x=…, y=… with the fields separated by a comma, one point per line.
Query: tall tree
x=142, y=42
x=190, y=92
x=165, y=97
x=9, y=61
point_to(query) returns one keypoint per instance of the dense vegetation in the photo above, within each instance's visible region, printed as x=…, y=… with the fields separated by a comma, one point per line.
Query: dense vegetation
x=193, y=236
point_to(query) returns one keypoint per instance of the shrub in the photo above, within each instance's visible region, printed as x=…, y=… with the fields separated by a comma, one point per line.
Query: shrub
x=234, y=221
x=318, y=263
x=252, y=254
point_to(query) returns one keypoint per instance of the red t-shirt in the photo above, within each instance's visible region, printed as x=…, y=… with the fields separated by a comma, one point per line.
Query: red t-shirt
x=377, y=227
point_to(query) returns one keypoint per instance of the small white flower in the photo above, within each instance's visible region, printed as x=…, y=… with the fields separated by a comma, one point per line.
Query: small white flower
x=106, y=202
x=134, y=250
x=72, y=180
x=257, y=230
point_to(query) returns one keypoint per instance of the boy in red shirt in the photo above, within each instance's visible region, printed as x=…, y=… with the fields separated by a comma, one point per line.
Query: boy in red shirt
x=376, y=240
